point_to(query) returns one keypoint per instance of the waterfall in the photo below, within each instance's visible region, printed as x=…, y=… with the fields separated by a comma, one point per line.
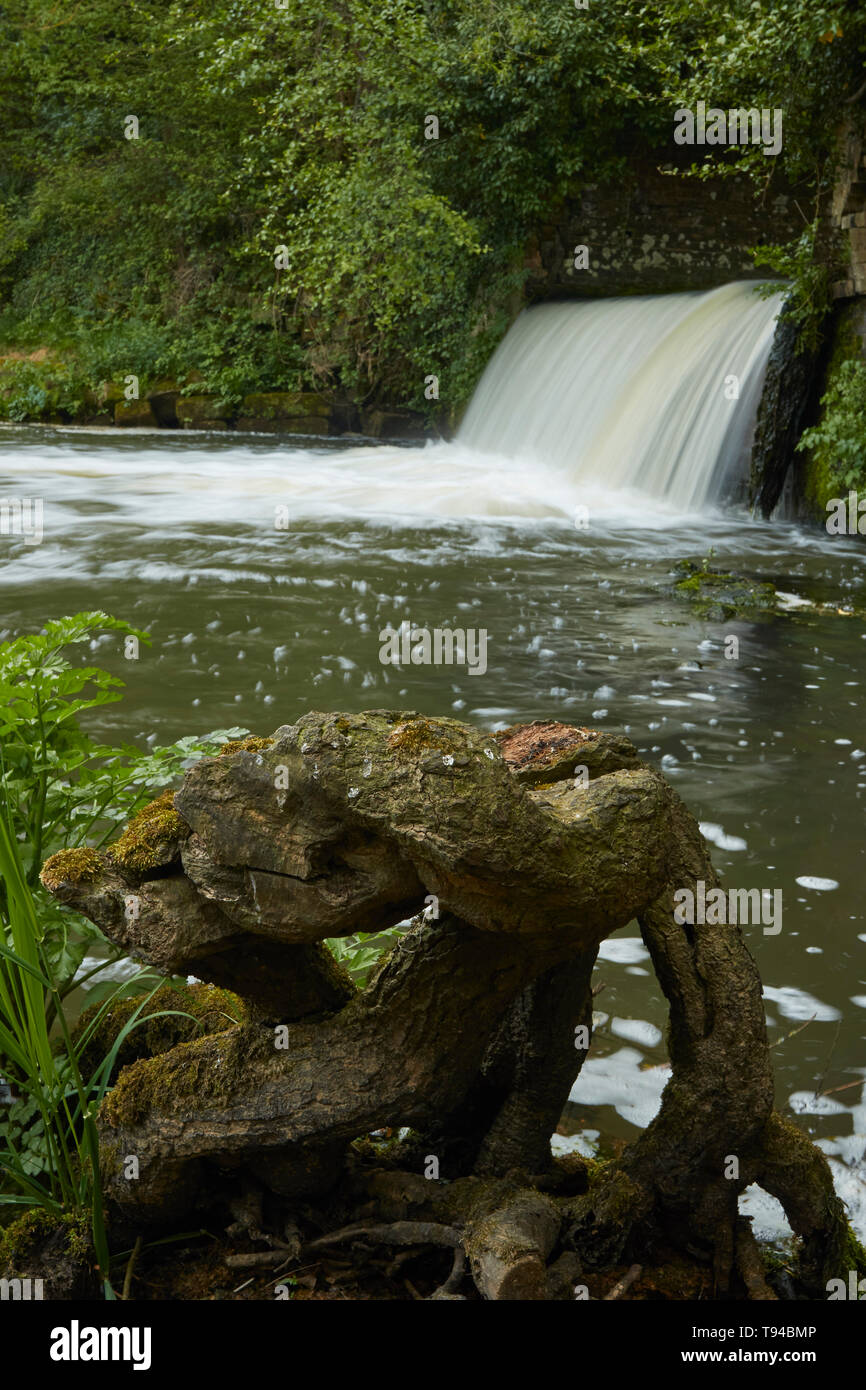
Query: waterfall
x=634, y=393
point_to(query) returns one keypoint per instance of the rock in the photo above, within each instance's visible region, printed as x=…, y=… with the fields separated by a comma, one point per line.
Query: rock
x=164, y=396
x=379, y=423
x=202, y=413
x=788, y=382
x=717, y=597
x=292, y=412
x=135, y=414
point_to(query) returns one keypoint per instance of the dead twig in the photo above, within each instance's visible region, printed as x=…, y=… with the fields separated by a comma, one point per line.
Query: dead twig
x=823, y=1076
x=259, y=1259
x=402, y=1257
x=395, y=1233
x=794, y=1031
x=624, y=1284
x=848, y=1084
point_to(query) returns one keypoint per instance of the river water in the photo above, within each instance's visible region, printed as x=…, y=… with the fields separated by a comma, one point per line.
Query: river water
x=264, y=573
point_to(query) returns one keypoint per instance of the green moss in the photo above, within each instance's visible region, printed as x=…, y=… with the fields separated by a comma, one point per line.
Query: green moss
x=155, y=828
x=213, y=1010
x=419, y=734
x=19, y=1240
x=822, y=471
x=718, y=596
x=251, y=744
x=71, y=866
x=854, y=1255
x=209, y=1069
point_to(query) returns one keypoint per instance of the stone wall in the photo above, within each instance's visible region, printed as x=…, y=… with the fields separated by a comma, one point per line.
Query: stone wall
x=655, y=231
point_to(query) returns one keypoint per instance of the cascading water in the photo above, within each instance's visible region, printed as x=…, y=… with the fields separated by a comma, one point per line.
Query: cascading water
x=634, y=393
x=620, y=406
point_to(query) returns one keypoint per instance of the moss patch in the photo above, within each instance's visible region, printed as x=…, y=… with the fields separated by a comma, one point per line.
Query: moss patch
x=71, y=866
x=22, y=1238
x=718, y=596
x=251, y=744
x=143, y=843
x=417, y=735
x=210, y=1069
x=854, y=1255
x=212, y=1010
x=822, y=471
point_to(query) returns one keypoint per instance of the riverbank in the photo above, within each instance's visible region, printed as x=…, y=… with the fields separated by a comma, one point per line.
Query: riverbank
x=54, y=386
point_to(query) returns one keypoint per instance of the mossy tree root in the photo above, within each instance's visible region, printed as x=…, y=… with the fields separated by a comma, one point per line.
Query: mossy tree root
x=534, y=846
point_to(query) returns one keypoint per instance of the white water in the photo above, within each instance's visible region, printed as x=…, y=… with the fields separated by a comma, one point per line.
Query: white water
x=617, y=407
x=630, y=394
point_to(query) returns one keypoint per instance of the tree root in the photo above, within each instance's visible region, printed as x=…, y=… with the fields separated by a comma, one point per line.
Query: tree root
x=472, y=1030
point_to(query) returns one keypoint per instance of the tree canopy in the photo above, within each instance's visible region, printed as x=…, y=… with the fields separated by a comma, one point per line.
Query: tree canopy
x=306, y=127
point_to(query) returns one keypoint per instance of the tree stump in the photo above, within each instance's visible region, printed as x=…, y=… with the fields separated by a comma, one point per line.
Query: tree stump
x=530, y=846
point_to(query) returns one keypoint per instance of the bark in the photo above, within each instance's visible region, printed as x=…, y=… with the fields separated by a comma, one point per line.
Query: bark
x=531, y=1066
x=237, y=1094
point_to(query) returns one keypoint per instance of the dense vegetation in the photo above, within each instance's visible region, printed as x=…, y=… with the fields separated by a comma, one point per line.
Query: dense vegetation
x=63, y=789
x=266, y=124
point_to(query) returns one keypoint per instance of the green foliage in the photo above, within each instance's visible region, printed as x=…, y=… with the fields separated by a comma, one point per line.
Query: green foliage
x=802, y=60
x=358, y=954
x=33, y=390
x=304, y=127
x=59, y=788
x=810, y=275
x=62, y=787
x=49, y=1157
x=839, y=439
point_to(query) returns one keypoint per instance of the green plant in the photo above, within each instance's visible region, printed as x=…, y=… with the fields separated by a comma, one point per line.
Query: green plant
x=63, y=788
x=50, y=1158
x=809, y=270
x=305, y=127
x=839, y=439
x=359, y=953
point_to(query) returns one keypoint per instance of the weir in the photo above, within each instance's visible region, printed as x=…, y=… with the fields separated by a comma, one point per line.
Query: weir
x=656, y=393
